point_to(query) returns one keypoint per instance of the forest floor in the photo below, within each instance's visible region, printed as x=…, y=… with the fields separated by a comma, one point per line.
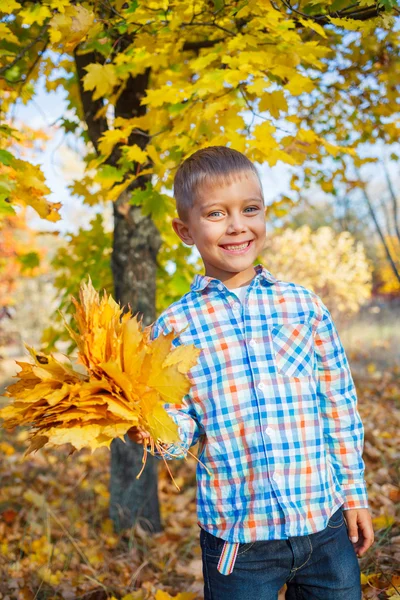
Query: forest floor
x=57, y=540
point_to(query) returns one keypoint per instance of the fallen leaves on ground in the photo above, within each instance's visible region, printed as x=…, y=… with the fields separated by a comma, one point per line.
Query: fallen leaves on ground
x=379, y=406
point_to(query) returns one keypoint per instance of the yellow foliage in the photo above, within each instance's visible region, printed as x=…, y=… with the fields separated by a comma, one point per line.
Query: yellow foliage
x=24, y=182
x=70, y=25
x=136, y=154
x=127, y=380
x=333, y=265
x=388, y=282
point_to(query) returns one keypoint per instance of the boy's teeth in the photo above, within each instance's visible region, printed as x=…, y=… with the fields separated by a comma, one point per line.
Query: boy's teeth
x=237, y=247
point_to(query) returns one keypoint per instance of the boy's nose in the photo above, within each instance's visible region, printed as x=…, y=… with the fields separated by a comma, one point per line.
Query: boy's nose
x=236, y=225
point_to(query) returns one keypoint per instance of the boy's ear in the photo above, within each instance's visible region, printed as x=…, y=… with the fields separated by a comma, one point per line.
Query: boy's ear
x=182, y=230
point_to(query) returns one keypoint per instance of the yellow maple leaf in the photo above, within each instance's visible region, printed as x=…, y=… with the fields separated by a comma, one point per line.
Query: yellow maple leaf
x=158, y=423
x=110, y=138
x=101, y=78
x=7, y=34
x=34, y=13
x=136, y=154
x=70, y=26
x=299, y=84
x=170, y=383
x=9, y=6
x=29, y=188
x=313, y=25
x=274, y=102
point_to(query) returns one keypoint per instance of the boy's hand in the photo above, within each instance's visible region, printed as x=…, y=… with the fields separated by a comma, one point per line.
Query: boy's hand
x=138, y=435
x=359, y=525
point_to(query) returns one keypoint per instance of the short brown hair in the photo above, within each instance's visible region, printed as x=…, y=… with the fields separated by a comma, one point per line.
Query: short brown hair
x=207, y=165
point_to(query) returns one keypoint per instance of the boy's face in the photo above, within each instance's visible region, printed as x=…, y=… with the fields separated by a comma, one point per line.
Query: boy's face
x=224, y=215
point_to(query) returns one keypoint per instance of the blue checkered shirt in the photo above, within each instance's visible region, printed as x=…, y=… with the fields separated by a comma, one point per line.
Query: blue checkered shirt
x=272, y=405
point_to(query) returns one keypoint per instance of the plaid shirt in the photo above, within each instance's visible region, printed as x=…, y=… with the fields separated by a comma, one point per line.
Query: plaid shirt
x=273, y=406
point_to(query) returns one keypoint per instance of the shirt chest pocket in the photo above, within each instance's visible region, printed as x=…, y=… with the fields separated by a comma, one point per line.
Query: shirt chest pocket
x=293, y=349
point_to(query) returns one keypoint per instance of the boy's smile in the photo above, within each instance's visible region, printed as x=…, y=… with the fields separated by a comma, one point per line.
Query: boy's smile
x=227, y=225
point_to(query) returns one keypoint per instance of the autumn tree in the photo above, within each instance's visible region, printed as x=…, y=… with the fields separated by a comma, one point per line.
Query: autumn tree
x=331, y=264
x=148, y=83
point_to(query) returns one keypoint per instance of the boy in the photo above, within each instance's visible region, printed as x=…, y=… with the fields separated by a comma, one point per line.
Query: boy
x=272, y=404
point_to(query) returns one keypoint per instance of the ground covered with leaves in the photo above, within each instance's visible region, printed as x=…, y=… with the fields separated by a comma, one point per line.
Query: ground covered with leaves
x=57, y=541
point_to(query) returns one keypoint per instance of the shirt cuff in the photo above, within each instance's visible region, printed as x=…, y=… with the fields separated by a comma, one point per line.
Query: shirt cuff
x=355, y=495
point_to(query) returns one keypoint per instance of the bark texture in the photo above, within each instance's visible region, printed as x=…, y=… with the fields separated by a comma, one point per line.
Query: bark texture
x=136, y=244
x=134, y=265
x=133, y=501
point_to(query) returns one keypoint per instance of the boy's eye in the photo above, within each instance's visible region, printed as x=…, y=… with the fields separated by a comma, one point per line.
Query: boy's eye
x=218, y=211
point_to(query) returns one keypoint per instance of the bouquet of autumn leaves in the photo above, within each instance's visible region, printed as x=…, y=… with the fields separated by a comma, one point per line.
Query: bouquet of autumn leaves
x=128, y=378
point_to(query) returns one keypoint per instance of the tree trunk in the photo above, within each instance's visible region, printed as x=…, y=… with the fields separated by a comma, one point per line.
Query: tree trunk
x=136, y=244
x=134, y=264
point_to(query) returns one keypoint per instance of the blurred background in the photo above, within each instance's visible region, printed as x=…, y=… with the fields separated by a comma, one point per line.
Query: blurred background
x=100, y=102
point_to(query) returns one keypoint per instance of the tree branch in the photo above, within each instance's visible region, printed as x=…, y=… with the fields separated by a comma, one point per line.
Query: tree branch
x=378, y=227
x=359, y=14
x=25, y=50
x=394, y=200
x=202, y=44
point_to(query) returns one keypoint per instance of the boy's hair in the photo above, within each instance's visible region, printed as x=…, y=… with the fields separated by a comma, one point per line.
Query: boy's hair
x=207, y=166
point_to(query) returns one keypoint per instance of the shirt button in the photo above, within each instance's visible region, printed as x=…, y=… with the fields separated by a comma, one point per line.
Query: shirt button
x=220, y=287
x=269, y=431
x=236, y=306
x=253, y=343
x=261, y=386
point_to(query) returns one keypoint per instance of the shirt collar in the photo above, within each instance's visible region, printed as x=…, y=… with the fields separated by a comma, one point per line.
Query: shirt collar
x=200, y=282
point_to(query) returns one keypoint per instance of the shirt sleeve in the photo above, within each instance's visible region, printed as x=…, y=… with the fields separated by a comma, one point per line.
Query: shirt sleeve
x=342, y=426
x=185, y=417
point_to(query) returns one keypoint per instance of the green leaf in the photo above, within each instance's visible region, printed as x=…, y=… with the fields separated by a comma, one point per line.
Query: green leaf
x=69, y=126
x=5, y=208
x=6, y=130
x=338, y=5
x=13, y=74
x=132, y=7
x=6, y=157
x=174, y=109
x=179, y=283
x=388, y=4
x=152, y=202
x=218, y=5
x=30, y=260
x=107, y=175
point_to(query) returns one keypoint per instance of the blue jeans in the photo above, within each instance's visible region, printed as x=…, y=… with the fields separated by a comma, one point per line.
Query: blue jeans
x=319, y=566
